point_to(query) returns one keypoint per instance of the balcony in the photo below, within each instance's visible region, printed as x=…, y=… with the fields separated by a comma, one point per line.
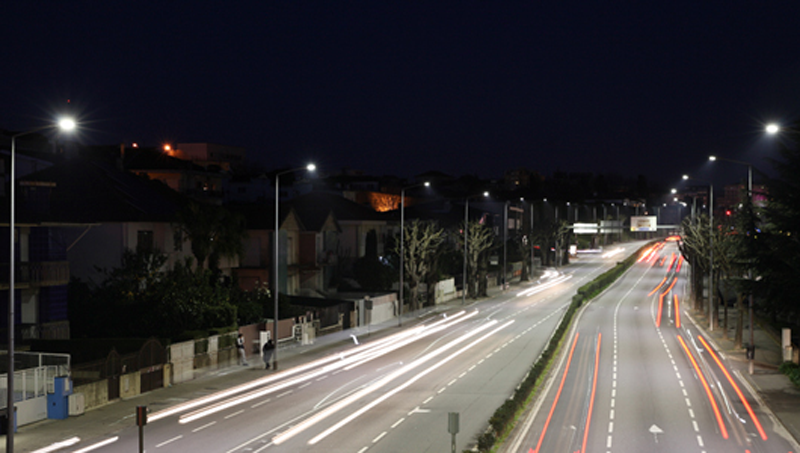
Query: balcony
x=35, y=275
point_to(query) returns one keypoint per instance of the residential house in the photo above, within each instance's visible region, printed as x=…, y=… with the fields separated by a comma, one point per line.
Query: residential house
x=255, y=267
x=354, y=222
x=319, y=244
x=85, y=213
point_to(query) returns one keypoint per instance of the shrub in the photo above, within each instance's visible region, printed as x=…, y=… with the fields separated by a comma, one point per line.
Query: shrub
x=792, y=370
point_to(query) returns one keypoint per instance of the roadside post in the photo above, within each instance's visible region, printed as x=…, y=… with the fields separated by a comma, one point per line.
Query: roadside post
x=452, y=428
x=141, y=420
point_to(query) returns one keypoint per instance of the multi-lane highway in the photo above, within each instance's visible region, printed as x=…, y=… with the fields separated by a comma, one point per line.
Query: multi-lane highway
x=637, y=375
x=390, y=394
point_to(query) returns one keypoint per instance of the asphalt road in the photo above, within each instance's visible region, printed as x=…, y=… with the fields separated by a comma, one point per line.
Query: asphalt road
x=391, y=393
x=637, y=377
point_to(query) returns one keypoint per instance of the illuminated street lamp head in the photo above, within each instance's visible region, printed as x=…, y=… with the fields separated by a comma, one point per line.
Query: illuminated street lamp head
x=427, y=184
x=311, y=167
x=66, y=124
x=712, y=158
x=486, y=194
x=773, y=128
x=685, y=176
x=674, y=190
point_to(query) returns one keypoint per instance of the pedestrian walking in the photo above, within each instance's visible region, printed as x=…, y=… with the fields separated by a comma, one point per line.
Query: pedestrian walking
x=266, y=352
x=240, y=347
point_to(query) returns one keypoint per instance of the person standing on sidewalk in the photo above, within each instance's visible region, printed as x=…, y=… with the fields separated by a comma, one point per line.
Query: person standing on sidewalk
x=266, y=352
x=240, y=347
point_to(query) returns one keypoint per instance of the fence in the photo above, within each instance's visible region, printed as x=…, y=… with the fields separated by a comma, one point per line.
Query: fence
x=34, y=374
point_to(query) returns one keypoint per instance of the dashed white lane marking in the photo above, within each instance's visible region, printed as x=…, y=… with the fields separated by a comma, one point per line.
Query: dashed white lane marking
x=380, y=436
x=260, y=403
x=472, y=367
x=239, y=412
x=168, y=441
x=200, y=428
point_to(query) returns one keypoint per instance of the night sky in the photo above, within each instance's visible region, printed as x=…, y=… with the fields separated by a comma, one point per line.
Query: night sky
x=404, y=87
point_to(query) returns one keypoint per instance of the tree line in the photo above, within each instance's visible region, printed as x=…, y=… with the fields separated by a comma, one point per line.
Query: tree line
x=756, y=250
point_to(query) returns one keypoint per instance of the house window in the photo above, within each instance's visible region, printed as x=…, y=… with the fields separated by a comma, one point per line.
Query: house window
x=144, y=240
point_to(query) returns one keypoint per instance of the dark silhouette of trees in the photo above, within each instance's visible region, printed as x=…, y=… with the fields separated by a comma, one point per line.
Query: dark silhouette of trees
x=214, y=232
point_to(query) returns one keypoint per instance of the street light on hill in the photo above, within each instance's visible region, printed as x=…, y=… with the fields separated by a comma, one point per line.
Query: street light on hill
x=65, y=124
x=276, y=247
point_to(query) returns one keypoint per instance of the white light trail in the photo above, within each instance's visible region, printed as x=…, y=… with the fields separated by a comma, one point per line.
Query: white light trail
x=292, y=371
x=544, y=286
x=341, y=404
x=59, y=445
x=403, y=386
x=343, y=363
x=614, y=252
x=97, y=445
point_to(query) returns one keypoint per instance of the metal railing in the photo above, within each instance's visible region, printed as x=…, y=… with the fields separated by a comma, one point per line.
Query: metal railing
x=34, y=374
x=36, y=274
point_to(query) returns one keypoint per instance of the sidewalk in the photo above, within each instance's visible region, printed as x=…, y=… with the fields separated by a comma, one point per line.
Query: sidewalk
x=774, y=389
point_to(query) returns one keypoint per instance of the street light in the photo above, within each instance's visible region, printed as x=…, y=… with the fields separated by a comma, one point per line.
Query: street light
x=773, y=128
x=65, y=124
x=402, y=247
x=711, y=249
x=466, y=226
x=530, y=238
x=752, y=352
x=276, y=247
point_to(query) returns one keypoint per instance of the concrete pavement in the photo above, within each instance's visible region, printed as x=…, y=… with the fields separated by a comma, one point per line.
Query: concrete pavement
x=773, y=389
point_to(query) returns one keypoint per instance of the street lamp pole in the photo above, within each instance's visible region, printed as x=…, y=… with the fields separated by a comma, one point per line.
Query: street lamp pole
x=505, y=240
x=556, y=257
x=402, y=248
x=530, y=238
x=711, y=250
x=66, y=125
x=466, y=226
x=751, y=354
x=464, y=274
x=276, y=250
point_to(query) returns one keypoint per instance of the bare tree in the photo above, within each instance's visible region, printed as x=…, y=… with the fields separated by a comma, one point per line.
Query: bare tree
x=479, y=239
x=422, y=239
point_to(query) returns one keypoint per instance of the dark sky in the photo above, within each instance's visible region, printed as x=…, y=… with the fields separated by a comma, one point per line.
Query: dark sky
x=405, y=87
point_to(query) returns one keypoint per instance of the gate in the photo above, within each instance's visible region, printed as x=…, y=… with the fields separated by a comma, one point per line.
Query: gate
x=151, y=358
x=112, y=370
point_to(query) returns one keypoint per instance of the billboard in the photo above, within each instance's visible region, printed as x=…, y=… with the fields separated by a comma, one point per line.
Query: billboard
x=584, y=228
x=644, y=223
